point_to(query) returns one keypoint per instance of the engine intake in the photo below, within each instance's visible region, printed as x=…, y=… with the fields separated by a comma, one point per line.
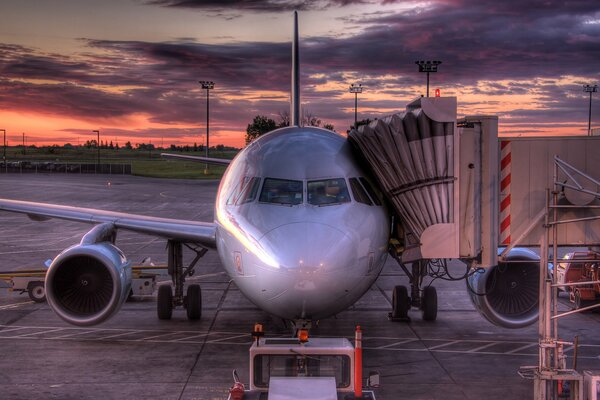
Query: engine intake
x=87, y=283
x=507, y=294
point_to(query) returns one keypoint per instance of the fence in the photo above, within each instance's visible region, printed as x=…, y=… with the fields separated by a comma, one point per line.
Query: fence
x=64, y=168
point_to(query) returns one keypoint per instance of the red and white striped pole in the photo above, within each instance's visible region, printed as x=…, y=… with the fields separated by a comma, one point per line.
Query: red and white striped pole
x=358, y=363
x=505, y=177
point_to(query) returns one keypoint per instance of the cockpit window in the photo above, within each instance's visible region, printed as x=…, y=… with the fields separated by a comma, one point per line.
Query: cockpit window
x=374, y=195
x=328, y=191
x=245, y=191
x=359, y=193
x=282, y=191
x=249, y=192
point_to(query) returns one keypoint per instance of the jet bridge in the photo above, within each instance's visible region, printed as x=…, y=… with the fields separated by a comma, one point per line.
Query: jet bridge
x=439, y=176
x=459, y=192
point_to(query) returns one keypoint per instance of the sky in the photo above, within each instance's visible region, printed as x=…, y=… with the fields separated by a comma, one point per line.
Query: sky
x=130, y=68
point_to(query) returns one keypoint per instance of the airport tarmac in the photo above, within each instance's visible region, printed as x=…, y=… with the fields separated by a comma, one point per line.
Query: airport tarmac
x=137, y=356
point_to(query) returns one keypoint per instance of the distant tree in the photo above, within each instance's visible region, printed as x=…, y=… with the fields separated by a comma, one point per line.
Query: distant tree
x=128, y=146
x=366, y=121
x=259, y=126
x=284, y=119
x=195, y=146
x=309, y=119
x=91, y=143
x=329, y=127
x=67, y=146
x=111, y=146
x=117, y=146
x=219, y=147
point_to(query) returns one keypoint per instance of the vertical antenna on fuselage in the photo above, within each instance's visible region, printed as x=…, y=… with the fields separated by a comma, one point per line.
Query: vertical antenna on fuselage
x=295, y=106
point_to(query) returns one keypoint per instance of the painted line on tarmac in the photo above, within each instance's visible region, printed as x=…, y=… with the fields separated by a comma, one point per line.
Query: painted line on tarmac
x=15, y=305
x=117, y=335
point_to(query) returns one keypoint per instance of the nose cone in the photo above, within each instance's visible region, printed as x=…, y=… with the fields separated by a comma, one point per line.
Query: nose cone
x=317, y=268
x=309, y=247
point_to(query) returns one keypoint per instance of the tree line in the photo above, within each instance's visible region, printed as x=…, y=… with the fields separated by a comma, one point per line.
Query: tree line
x=262, y=124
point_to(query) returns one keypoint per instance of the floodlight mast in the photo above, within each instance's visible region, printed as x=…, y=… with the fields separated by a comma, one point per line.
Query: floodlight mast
x=356, y=89
x=4, y=144
x=428, y=66
x=590, y=89
x=208, y=85
x=98, y=146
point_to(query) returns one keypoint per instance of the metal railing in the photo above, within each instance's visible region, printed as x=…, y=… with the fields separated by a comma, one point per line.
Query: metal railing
x=24, y=167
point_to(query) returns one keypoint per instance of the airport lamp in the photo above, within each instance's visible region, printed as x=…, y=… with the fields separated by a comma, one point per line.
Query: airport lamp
x=356, y=89
x=4, y=144
x=208, y=85
x=590, y=89
x=428, y=66
x=98, y=146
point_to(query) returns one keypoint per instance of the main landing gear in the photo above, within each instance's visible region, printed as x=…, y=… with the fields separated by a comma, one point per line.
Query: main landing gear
x=192, y=301
x=424, y=299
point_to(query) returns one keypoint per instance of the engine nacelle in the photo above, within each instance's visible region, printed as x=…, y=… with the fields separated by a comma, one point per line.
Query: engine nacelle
x=507, y=294
x=87, y=283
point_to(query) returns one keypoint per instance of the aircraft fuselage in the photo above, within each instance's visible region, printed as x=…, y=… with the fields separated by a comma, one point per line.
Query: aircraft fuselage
x=295, y=230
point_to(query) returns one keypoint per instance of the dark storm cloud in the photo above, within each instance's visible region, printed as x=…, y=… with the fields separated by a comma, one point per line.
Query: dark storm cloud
x=255, y=5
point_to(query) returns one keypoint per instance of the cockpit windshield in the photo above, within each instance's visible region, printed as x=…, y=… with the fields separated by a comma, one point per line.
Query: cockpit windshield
x=327, y=191
x=282, y=191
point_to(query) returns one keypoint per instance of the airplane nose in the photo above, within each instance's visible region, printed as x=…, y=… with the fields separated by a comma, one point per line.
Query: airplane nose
x=309, y=247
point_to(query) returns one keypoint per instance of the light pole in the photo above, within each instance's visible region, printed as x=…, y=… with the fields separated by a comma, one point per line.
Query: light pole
x=590, y=89
x=356, y=89
x=428, y=66
x=4, y=144
x=208, y=85
x=98, y=147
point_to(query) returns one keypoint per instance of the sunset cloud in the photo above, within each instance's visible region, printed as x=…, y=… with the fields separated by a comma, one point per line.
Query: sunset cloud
x=525, y=61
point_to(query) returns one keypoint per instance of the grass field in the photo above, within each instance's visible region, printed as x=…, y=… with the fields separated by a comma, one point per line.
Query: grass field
x=143, y=162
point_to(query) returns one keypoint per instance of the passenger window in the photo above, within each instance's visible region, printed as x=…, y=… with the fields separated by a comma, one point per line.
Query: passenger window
x=371, y=191
x=359, y=193
x=328, y=191
x=282, y=191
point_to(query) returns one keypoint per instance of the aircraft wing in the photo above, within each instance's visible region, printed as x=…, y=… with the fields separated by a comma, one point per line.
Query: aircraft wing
x=176, y=229
x=206, y=160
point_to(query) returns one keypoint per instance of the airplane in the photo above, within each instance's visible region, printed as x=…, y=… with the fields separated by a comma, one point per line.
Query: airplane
x=298, y=227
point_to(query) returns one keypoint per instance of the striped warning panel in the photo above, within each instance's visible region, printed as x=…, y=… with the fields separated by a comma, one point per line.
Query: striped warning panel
x=505, y=161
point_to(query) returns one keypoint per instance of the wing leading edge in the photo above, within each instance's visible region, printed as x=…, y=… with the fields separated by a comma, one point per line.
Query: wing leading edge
x=175, y=229
x=206, y=160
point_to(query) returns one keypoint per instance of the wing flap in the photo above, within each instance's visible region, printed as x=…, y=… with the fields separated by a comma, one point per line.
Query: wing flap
x=193, y=231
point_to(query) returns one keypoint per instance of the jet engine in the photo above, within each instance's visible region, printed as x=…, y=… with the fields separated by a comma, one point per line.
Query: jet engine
x=88, y=283
x=507, y=294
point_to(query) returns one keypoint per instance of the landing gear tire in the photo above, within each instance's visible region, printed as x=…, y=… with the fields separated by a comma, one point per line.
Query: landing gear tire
x=193, y=302
x=400, y=303
x=579, y=302
x=164, y=303
x=37, y=292
x=429, y=304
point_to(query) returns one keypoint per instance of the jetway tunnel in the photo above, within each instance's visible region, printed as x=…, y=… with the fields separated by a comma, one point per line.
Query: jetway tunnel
x=458, y=191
